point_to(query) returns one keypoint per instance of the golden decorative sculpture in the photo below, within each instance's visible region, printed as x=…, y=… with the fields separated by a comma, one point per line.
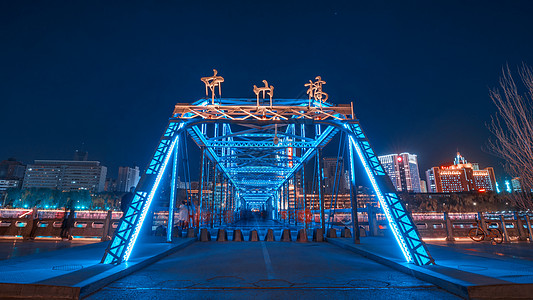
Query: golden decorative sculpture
x=269, y=90
x=315, y=90
x=212, y=82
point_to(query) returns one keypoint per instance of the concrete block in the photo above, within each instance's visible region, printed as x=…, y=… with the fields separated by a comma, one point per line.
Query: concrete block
x=332, y=233
x=237, y=235
x=346, y=233
x=254, y=236
x=177, y=232
x=269, y=237
x=302, y=236
x=205, y=235
x=318, y=235
x=286, y=235
x=222, y=235
x=192, y=232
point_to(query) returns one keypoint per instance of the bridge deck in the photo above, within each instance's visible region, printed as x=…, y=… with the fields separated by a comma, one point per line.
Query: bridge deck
x=268, y=270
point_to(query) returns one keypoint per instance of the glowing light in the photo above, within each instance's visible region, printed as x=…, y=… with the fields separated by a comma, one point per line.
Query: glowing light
x=508, y=186
x=133, y=239
x=384, y=206
x=399, y=159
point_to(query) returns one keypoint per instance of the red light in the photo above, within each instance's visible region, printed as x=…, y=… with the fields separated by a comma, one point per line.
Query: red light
x=482, y=190
x=399, y=159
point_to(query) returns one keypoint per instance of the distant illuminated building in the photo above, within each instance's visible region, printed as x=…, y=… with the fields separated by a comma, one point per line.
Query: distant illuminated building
x=333, y=183
x=460, y=177
x=65, y=175
x=423, y=186
x=515, y=185
x=127, y=178
x=403, y=171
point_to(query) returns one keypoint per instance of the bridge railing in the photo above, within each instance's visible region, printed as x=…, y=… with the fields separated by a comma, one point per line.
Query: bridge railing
x=515, y=226
x=43, y=224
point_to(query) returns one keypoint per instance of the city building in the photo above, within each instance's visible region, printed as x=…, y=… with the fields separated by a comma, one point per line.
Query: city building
x=423, y=186
x=331, y=185
x=403, y=171
x=66, y=175
x=127, y=178
x=7, y=184
x=110, y=185
x=460, y=177
x=12, y=169
x=515, y=185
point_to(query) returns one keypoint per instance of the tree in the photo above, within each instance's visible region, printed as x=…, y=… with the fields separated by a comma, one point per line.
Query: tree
x=512, y=127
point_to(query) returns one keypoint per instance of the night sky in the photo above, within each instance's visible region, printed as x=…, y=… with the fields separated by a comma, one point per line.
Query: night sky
x=105, y=76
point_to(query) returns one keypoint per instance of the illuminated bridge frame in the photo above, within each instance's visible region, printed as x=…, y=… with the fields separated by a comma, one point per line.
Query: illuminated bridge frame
x=258, y=148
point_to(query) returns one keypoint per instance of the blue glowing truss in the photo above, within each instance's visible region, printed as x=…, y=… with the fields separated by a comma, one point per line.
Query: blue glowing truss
x=258, y=149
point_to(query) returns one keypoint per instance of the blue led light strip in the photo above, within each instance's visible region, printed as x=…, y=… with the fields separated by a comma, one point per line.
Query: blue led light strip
x=403, y=228
x=128, y=230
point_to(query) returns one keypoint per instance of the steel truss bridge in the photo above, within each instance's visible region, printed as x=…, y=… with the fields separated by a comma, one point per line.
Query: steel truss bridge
x=255, y=155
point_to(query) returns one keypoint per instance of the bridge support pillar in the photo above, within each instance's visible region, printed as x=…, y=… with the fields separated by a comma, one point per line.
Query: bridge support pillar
x=107, y=226
x=528, y=224
x=520, y=226
x=504, y=229
x=372, y=221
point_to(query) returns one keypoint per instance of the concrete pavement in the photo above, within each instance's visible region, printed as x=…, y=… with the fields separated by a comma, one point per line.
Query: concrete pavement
x=268, y=270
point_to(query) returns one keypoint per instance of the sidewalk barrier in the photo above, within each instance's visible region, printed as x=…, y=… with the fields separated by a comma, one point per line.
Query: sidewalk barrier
x=237, y=235
x=177, y=232
x=332, y=233
x=222, y=235
x=318, y=235
x=346, y=233
x=192, y=232
x=254, y=237
x=302, y=236
x=362, y=231
x=286, y=235
x=205, y=235
x=269, y=237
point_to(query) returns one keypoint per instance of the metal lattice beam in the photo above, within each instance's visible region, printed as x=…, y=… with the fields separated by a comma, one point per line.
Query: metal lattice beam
x=258, y=150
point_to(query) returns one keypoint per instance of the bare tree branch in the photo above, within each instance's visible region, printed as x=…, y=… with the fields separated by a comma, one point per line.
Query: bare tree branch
x=512, y=129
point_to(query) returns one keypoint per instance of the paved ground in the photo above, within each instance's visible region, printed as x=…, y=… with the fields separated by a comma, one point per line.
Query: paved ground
x=17, y=248
x=517, y=250
x=268, y=270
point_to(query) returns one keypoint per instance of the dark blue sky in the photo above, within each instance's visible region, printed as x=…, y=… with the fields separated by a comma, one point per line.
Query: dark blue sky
x=108, y=74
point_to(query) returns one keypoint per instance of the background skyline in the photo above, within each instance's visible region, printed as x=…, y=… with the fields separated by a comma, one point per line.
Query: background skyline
x=106, y=75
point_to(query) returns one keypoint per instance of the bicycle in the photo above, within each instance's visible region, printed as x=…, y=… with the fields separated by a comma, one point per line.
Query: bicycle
x=478, y=234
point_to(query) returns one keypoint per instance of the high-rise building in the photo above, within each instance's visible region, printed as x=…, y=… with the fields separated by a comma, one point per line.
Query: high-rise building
x=423, y=186
x=66, y=175
x=330, y=183
x=515, y=185
x=460, y=177
x=127, y=178
x=403, y=171
x=12, y=169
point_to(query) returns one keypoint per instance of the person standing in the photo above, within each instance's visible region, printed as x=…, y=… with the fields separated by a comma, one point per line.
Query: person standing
x=183, y=215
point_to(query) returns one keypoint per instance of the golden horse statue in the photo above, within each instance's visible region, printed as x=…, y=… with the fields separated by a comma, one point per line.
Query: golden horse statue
x=269, y=90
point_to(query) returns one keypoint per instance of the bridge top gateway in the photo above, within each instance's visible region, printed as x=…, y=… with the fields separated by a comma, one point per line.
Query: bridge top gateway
x=240, y=109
